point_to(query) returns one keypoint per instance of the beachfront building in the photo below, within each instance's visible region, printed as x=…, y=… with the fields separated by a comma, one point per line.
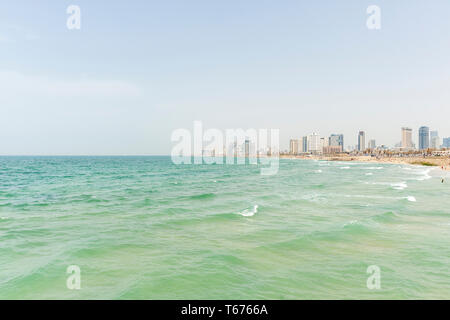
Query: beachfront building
x=305, y=144
x=446, y=143
x=332, y=149
x=295, y=146
x=314, y=143
x=323, y=143
x=372, y=144
x=361, y=141
x=336, y=140
x=406, y=139
x=424, y=138
x=435, y=141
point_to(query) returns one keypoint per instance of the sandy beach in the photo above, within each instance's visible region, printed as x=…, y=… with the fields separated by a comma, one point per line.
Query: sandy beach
x=432, y=161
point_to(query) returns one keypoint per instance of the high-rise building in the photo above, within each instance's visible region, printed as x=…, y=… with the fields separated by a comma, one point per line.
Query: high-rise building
x=295, y=146
x=361, y=141
x=406, y=138
x=372, y=144
x=424, y=138
x=323, y=144
x=314, y=143
x=446, y=143
x=305, y=144
x=336, y=140
x=435, y=141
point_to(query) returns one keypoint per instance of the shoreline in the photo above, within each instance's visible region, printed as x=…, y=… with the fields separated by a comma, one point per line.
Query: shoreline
x=442, y=163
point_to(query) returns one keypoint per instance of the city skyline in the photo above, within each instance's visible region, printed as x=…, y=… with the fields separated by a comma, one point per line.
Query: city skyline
x=128, y=78
x=427, y=139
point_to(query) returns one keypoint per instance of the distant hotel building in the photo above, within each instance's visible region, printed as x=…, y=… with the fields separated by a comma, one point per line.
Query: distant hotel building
x=314, y=143
x=424, y=138
x=406, y=138
x=332, y=149
x=336, y=140
x=295, y=146
x=372, y=144
x=361, y=141
x=446, y=143
x=435, y=141
x=305, y=144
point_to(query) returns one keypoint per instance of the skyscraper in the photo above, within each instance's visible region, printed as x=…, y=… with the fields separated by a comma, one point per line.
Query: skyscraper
x=435, y=141
x=295, y=146
x=407, y=138
x=372, y=144
x=446, y=143
x=424, y=138
x=305, y=144
x=314, y=143
x=361, y=141
x=337, y=140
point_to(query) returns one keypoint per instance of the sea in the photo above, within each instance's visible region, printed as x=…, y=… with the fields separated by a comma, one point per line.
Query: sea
x=142, y=227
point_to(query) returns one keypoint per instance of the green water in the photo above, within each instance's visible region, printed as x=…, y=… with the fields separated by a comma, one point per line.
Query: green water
x=144, y=228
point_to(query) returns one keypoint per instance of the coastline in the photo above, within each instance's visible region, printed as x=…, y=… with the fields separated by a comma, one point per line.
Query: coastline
x=442, y=163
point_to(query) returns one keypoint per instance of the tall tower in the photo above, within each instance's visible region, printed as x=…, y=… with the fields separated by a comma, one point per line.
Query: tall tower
x=313, y=143
x=361, y=141
x=305, y=144
x=406, y=138
x=424, y=138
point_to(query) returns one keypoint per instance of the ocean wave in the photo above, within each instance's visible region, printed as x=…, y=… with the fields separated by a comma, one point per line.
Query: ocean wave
x=399, y=185
x=393, y=185
x=373, y=168
x=202, y=196
x=424, y=174
x=344, y=168
x=385, y=217
x=369, y=174
x=411, y=198
x=249, y=212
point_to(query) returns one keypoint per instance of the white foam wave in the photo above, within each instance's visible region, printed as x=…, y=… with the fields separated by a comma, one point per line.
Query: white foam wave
x=393, y=185
x=399, y=186
x=369, y=174
x=411, y=198
x=249, y=212
x=344, y=168
x=424, y=174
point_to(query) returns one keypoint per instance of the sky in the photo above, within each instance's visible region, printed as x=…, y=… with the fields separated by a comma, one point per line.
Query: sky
x=138, y=70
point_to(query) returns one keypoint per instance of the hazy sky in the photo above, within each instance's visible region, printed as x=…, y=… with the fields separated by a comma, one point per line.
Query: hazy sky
x=137, y=70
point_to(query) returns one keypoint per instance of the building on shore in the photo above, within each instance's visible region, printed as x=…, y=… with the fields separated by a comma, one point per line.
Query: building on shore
x=406, y=138
x=435, y=141
x=424, y=138
x=336, y=140
x=295, y=146
x=332, y=149
x=446, y=143
x=314, y=143
x=305, y=144
x=323, y=143
x=361, y=141
x=372, y=144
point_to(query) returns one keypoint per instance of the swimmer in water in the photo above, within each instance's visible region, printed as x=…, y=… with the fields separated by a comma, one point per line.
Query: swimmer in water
x=442, y=181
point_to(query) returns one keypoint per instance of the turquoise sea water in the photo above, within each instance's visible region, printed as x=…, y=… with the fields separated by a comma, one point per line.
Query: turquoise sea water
x=144, y=228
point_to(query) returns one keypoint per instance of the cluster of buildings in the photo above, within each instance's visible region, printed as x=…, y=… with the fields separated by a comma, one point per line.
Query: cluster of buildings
x=313, y=144
x=426, y=140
